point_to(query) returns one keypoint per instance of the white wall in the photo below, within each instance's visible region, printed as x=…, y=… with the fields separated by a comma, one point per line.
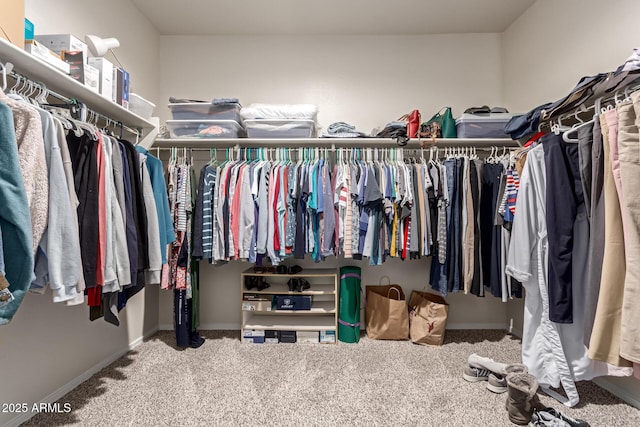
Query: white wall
x=139, y=40
x=554, y=43
x=47, y=346
x=363, y=80
x=545, y=53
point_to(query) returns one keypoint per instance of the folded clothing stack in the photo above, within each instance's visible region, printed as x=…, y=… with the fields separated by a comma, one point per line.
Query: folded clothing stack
x=280, y=120
x=342, y=130
x=396, y=130
x=485, y=109
x=280, y=111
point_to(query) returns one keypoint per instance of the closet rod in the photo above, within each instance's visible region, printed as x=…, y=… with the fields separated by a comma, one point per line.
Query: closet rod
x=330, y=143
x=404, y=150
x=18, y=77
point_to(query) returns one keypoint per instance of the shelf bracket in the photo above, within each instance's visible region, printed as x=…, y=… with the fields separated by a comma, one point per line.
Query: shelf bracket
x=150, y=137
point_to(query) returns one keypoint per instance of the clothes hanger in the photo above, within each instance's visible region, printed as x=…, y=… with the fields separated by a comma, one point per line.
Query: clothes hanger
x=19, y=81
x=3, y=69
x=567, y=135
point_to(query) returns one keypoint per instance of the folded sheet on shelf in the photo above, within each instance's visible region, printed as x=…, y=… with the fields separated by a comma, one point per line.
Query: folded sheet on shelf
x=280, y=111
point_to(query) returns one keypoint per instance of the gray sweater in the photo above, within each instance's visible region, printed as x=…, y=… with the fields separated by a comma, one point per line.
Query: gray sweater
x=52, y=262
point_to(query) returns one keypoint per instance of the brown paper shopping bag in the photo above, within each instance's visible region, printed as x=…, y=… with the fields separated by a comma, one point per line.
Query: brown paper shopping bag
x=386, y=315
x=427, y=318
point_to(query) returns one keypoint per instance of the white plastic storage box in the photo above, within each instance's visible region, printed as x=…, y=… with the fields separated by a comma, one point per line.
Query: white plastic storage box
x=308, y=337
x=206, y=111
x=482, y=125
x=267, y=128
x=141, y=106
x=204, y=128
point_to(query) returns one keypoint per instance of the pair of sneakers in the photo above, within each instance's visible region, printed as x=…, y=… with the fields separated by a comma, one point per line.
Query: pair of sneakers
x=494, y=373
x=496, y=382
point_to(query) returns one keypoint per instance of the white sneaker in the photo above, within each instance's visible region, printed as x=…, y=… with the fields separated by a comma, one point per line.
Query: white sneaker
x=486, y=363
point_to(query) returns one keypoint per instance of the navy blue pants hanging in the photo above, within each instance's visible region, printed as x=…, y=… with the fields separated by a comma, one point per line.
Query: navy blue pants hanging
x=563, y=199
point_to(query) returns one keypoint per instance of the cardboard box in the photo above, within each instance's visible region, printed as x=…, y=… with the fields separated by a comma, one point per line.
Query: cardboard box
x=253, y=340
x=92, y=78
x=81, y=70
x=121, y=82
x=12, y=22
x=328, y=337
x=77, y=62
x=293, y=302
x=252, y=336
x=256, y=305
x=41, y=52
x=63, y=42
x=29, y=29
x=287, y=336
x=271, y=337
x=105, y=68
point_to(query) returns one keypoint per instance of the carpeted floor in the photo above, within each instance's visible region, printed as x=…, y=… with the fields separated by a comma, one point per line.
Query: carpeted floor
x=372, y=383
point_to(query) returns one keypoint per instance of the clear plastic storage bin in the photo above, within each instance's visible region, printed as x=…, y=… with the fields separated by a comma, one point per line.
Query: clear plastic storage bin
x=204, y=129
x=265, y=128
x=482, y=125
x=205, y=111
x=141, y=106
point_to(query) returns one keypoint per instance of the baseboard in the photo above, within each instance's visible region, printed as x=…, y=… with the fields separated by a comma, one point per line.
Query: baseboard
x=515, y=332
x=57, y=394
x=236, y=326
x=208, y=327
x=502, y=326
x=621, y=392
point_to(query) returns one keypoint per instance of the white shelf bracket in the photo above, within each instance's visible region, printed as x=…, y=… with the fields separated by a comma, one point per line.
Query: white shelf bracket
x=150, y=137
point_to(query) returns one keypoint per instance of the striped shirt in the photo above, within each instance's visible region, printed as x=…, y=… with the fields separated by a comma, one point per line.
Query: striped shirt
x=513, y=186
x=207, y=212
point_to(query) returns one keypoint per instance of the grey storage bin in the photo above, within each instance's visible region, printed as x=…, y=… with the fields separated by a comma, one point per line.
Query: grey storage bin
x=206, y=111
x=204, y=129
x=266, y=128
x=482, y=125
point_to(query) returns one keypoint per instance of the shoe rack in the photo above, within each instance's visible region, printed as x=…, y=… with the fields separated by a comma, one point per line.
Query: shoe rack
x=264, y=315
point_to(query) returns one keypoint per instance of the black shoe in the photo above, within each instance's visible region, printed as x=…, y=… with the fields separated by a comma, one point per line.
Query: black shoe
x=302, y=285
x=293, y=284
x=250, y=282
x=262, y=284
x=294, y=269
x=195, y=340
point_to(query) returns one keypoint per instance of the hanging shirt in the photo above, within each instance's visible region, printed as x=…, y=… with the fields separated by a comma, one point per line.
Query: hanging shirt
x=53, y=264
x=554, y=353
x=263, y=212
x=165, y=224
x=15, y=227
x=246, y=220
